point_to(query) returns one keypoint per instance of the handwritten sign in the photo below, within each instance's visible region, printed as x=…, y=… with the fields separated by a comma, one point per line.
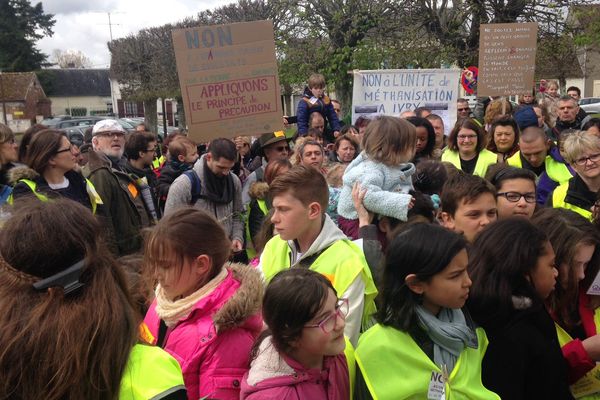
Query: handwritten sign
x=391, y=92
x=229, y=81
x=506, y=58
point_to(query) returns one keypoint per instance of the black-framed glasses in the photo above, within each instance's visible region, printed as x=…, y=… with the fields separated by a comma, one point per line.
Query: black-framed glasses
x=514, y=197
x=151, y=150
x=70, y=148
x=583, y=160
x=281, y=149
x=111, y=134
x=329, y=323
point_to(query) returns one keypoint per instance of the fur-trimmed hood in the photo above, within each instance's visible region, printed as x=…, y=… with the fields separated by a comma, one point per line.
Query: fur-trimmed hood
x=245, y=302
x=22, y=172
x=258, y=190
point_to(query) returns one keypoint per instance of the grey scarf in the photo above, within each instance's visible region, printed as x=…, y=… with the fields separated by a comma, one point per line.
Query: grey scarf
x=450, y=334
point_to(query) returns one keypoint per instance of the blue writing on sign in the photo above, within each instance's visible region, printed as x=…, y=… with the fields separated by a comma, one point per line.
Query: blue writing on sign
x=209, y=37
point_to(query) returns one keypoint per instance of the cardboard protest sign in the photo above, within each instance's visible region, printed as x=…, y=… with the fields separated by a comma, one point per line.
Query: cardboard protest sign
x=506, y=59
x=391, y=92
x=228, y=77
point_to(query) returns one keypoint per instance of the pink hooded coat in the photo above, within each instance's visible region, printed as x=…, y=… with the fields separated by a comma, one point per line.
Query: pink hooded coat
x=276, y=377
x=213, y=343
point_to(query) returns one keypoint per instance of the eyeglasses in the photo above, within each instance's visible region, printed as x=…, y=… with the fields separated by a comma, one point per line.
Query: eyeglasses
x=466, y=137
x=111, y=134
x=150, y=150
x=70, y=148
x=463, y=109
x=329, y=323
x=514, y=197
x=281, y=149
x=583, y=160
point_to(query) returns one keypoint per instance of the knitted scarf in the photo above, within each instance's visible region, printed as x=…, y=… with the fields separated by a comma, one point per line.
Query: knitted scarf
x=174, y=311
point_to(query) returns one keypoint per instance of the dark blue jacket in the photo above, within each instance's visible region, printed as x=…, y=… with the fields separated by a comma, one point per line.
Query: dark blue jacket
x=309, y=104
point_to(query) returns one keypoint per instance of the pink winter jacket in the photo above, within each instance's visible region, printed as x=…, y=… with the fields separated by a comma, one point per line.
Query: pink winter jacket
x=213, y=343
x=276, y=377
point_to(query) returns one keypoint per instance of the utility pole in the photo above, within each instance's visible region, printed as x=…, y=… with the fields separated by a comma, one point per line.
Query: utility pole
x=110, y=27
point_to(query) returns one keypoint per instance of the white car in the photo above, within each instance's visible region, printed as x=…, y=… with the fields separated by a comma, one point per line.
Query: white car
x=590, y=105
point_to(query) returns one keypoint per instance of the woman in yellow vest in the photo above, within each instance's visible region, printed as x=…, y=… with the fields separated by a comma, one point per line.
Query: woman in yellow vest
x=424, y=345
x=512, y=266
x=69, y=327
x=582, y=151
x=51, y=162
x=466, y=148
x=575, y=313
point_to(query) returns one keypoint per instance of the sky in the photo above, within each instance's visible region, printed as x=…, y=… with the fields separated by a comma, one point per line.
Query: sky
x=83, y=24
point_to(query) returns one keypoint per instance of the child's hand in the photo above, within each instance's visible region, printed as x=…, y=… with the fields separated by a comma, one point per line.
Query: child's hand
x=358, y=195
x=411, y=204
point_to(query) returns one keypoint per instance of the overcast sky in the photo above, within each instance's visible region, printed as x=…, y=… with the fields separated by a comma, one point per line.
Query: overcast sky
x=83, y=25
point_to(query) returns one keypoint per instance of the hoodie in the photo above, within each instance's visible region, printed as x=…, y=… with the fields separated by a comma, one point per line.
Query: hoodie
x=356, y=292
x=273, y=375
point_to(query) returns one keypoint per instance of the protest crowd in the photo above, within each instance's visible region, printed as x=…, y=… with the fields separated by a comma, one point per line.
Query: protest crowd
x=395, y=258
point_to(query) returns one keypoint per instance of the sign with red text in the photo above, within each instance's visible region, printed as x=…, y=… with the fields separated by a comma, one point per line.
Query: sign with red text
x=506, y=58
x=228, y=77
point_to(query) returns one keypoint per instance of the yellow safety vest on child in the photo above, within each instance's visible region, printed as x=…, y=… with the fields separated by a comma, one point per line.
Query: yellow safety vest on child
x=395, y=367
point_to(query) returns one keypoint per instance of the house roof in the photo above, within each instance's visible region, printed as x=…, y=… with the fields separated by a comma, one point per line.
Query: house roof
x=14, y=85
x=75, y=82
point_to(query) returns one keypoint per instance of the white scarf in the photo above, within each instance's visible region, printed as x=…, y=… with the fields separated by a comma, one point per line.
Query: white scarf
x=174, y=311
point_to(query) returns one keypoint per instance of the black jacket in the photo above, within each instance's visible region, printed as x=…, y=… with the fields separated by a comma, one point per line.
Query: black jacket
x=523, y=359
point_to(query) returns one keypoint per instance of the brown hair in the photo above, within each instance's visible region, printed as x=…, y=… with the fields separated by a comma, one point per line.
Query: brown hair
x=304, y=183
x=274, y=168
x=182, y=236
x=179, y=147
x=466, y=123
x=6, y=135
x=26, y=139
x=566, y=230
x=504, y=120
x=73, y=346
x=42, y=148
x=496, y=109
x=347, y=137
x=390, y=140
x=316, y=81
x=463, y=188
x=137, y=142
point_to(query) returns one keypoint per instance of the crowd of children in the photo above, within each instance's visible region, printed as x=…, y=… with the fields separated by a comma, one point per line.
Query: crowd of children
x=382, y=260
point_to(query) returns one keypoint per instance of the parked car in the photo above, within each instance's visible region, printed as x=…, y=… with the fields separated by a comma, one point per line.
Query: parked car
x=91, y=120
x=590, y=105
x=76, y=134
x=52, y=121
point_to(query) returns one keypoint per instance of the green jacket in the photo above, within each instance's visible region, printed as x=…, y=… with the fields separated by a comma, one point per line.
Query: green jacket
x=123, y=213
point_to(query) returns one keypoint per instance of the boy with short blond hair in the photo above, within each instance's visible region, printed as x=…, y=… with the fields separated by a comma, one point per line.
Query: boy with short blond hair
x=315, y=100
x=308, y=238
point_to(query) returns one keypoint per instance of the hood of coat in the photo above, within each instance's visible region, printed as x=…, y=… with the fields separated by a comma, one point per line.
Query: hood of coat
x=267, y=365
x=258, y=190
x=246, y=301
x=22, y=172
x=330, y=233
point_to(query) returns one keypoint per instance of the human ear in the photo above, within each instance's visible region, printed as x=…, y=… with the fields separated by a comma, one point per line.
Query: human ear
x=447, y=220
x=414, y=284
x=202, y=266
x=314, y=210
x=181, y=158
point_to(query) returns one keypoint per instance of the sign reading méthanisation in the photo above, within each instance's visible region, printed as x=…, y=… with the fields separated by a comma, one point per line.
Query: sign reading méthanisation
x=228, y=77
x=506, y=59
x=391, y=92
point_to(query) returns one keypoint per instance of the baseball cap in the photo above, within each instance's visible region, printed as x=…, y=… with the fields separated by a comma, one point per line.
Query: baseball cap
x=107, y=125
x=272, y=137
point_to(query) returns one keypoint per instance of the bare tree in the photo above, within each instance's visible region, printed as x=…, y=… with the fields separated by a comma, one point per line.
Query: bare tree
x=70, y=59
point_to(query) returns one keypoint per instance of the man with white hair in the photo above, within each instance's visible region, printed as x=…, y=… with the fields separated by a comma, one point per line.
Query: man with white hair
x=123, y=213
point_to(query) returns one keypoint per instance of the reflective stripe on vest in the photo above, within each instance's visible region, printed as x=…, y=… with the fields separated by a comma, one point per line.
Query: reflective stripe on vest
x=484, y=160
x=588, y=386
x=558, y=201
x=250, y=250
x=158, y=162
x=394, y=367
x=150, y=373
x=89, y=187
x=555, y=170
x=341, y=263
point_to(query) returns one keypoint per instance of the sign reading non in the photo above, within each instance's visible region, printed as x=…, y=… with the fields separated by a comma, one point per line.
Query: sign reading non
x=394, y=91
x=506, y=59
x=228, y=77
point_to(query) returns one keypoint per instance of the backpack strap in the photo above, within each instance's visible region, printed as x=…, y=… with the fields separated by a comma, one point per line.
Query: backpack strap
x=195, y=181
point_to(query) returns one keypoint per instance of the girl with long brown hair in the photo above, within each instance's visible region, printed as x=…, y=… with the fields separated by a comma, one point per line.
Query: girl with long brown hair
x=69, y=328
